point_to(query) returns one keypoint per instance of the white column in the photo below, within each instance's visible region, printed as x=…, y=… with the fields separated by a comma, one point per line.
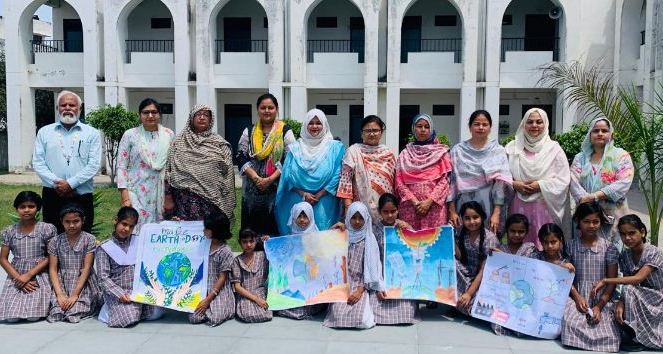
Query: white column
x=298, y=102
x=371, y=63
x=205, y=57
x=276, y=47
x=492, y=105
x=393, y=116
x=468, y=101
x=182, y=63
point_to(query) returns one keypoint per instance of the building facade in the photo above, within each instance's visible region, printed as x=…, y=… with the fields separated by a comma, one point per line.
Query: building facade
x=351, y=58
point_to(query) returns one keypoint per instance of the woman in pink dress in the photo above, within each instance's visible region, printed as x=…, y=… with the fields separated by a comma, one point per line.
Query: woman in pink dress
x=540, y=173
x=422, y=177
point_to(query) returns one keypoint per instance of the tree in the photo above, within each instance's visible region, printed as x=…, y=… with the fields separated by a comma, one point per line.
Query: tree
x=112, y=121
x=592, y=91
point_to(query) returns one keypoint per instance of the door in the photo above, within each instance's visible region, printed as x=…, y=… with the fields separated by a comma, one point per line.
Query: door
x=548, y=108
x=356, y=116
x=72, y=30
x=237, y=34
x=410, y=36
x=237, y=117
x=540, y=33
x=357, y=36
x=407, y=113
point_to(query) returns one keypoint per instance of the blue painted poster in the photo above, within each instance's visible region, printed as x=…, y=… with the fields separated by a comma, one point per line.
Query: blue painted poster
x=419, y=265
x=523, y=294
x=171, y=270
x=307, y=269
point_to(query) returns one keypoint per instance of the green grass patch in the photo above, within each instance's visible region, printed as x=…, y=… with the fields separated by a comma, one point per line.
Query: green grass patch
x=109, y=204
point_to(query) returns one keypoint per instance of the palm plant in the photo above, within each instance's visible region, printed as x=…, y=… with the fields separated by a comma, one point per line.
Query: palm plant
x=592, y=91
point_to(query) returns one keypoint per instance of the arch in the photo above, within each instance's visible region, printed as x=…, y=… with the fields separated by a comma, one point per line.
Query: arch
x=453, y=3
x=561, y=26
x=130, y=5
x=218, y=8
x=314, y=4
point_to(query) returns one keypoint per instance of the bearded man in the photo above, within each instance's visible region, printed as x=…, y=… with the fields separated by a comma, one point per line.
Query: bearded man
x=67, y=155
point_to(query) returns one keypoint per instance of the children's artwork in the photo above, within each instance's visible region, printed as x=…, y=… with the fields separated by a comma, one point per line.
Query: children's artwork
x=171, y=270
x=419, y=265
x=523, y=294
x=307, y=269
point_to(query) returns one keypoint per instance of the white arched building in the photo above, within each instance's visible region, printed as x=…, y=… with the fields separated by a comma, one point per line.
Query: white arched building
x=351, y=58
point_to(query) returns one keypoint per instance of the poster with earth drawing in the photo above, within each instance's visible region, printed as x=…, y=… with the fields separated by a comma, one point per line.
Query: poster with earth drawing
x=523, y=294
x=171, y=267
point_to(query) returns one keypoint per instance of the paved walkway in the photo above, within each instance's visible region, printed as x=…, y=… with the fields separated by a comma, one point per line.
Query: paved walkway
x=172, y=334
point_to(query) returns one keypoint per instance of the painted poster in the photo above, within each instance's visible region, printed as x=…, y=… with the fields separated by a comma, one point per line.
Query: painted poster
x=307, y=269
x=171, y=271
x=419, y=265
x=523, y=294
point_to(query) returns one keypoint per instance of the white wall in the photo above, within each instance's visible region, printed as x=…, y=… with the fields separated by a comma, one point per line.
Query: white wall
x=516, y=99
x=243, y=8
x=139, y=21
x=64, y=12
x=518, y=9
x=342, y=10
x=340, y=124
x=428, y=9
x=447, y=125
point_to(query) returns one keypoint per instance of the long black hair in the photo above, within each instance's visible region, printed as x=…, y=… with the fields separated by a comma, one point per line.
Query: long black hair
x=515, y=219
x=585, y=209
x=478, y=113
x=219, y=224
x=635, y=221
x=555, y=230
x=471, y=205
x=387, y=198
x=27, y=196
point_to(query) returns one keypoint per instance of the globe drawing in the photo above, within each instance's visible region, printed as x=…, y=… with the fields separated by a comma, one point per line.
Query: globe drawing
x=173, y=269
x=521, y=294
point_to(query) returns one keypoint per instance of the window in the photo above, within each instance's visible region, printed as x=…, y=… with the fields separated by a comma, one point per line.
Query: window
x=166, y=108
x=264, y=22
x=325, y=22
x=444, y=110
x=507, y=20
x=161, y=22
x=504, y=109
x=328, y=109
x=445, y=20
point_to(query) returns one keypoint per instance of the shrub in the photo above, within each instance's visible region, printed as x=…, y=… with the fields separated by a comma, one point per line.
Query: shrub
x=295, y=125
x=112, y=121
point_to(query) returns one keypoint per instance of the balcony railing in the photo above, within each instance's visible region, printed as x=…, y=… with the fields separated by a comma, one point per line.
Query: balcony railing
x=149, y=46
x=530, y=44
x=454, y=45
x=334, y=46
x=56, y=46
x=241, y=45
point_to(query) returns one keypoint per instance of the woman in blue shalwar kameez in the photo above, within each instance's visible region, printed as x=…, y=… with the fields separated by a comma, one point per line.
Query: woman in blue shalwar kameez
x=311, y=173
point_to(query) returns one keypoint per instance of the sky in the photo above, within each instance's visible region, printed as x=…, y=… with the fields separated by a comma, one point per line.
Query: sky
x=43, y=12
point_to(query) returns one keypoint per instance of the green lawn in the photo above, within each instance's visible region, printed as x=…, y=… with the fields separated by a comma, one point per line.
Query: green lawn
x=110, y=202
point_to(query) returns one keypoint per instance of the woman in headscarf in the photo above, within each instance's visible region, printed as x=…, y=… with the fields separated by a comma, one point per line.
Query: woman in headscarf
x=141, y=162
x=540, y=175
x=602, y=172
x=310, y=173
x=199, y=174
x=422, y=177
x=364, y=272
x=260, y=154
x=368, y=168
x=481, y=173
